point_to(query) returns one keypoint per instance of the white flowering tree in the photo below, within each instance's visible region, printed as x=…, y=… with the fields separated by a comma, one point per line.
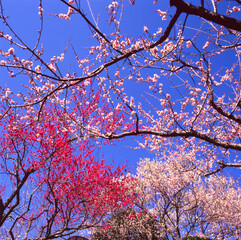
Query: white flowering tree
x=177, y=200
x=184, y=202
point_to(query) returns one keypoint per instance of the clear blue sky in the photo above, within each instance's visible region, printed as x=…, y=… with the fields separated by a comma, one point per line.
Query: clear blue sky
x=23, y=17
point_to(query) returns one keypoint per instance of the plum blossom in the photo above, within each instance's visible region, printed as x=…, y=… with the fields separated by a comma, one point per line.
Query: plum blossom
x=70, y=11
x=133, y=113
x=116, y=44
x=38, y=69
x=115, y=4
x=145, y=29
x=52, y=67
x=159, y=31
x=41, y=10
x=169, y=46
x=188, y=44
x=206, y=45
x=8, y=37
x=3, y=62
x=164, y=18
x=61, y=58
x=65, y=16
x=111, y=7
x=132, y=104
x=236, y=9
x=161, y=13
x=118, y=107
x=7, y=92
x=161, y=184
x=11, y=50
x=117, y=73
x=128, y=41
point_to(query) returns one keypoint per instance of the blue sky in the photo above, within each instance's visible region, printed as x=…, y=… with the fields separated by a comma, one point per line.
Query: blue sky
x=23, y=17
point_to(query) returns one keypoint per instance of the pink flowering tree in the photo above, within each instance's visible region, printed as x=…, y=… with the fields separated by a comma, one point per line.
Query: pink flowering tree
x=176, y=84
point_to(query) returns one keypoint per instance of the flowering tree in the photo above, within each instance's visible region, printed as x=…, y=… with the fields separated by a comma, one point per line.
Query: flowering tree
x=184, y=202
x=189, y=102
x=177, y=201
x=128, y=224
x=52, y=185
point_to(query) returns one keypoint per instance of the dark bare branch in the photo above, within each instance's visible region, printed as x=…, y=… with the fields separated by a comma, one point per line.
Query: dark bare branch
x=184, y=134
x=223, y=20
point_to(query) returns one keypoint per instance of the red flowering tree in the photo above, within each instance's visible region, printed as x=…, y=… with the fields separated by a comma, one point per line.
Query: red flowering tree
x=52, y=185
x=177, y=85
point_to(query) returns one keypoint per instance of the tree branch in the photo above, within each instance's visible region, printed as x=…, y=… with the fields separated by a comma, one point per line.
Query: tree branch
x=204, y=13
x=184, y=134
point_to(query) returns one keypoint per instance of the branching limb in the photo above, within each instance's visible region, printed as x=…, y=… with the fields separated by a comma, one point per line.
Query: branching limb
x=223, y=20
x=184, y=134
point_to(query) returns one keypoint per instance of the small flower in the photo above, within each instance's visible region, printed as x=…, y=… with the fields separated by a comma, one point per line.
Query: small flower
x=70, y=11
x=164, y=18
x=206, y=45
x=145, y=29
x=188, y=44
x=133, y=113
x=132, y=102
x=38, y=69
x=52, y=67
x=236, y=9
x=117, y=73
x=115, y=4
x=61, y=15
x=53, y=59
x=8, y=37
x=11, y=50
x=40, y=9
x=128, y=41
x=65, y=16
x=3, y=62
x=7, y=92
x=111, y=7
x=116, y=44
x=159, y=30
x=161, y=13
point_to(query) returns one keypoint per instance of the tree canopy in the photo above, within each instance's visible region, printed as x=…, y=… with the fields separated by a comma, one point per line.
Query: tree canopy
x=80, y=75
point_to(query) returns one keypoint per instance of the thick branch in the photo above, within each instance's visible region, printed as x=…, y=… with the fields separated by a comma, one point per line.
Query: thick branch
x=219, y=109
x=77, y=238
x=222, y=166
x=1, y=208
x=222, y=20
x=13, y=195
x=184, y=134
